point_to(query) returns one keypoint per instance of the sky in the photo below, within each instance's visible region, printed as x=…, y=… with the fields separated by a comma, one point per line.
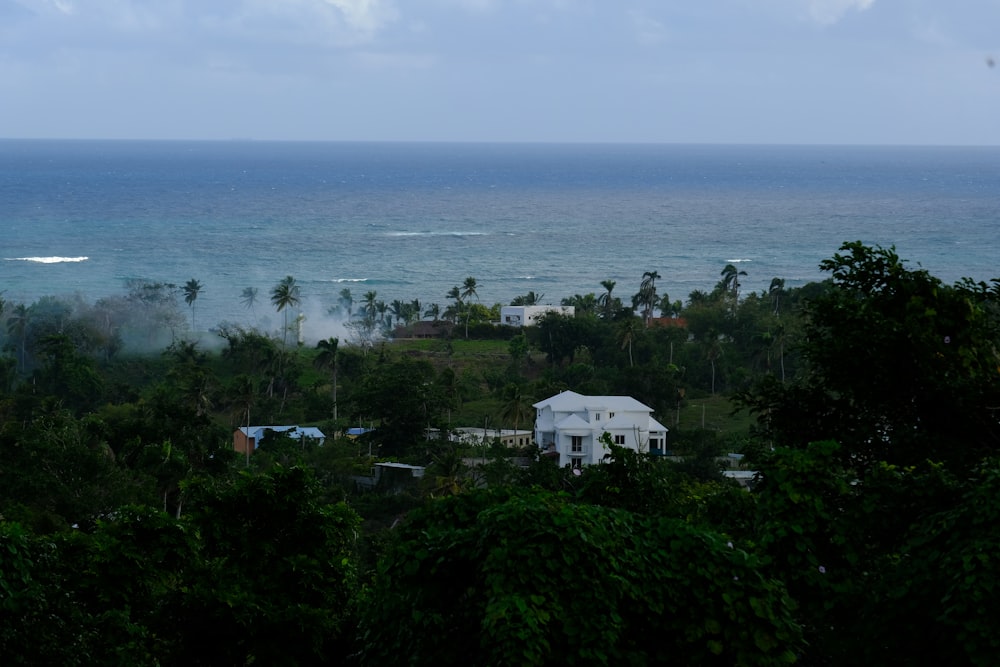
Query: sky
x=637, y=71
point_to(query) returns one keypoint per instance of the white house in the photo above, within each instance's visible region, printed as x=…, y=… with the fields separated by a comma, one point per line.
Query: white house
x=527, y=316
x=569, y=425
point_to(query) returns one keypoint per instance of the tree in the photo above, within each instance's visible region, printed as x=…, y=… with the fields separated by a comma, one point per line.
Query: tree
x=17, y=326
x=731, y=282
x=640, y=590
x=191, y=289
x=284, y=295
x=469, y=291
x=68, y=374
x=529, y=299
x=454, y=311
x=249, y=299
x=400, y=397
x=626, y=336
x=901, y=368
x=582, y=304
x=712, y=347
x=776, y=290
x=346, y=301
x=413, y=311
x=517, y=407
x=434, y=312
x=279, y=564
x=244, y=393
x=517, y=347
x=608, y=304
x=646, y=299
x=369, y=307
x=327, y=359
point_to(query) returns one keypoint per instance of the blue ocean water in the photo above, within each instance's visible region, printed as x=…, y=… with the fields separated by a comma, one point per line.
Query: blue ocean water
x=411, y=220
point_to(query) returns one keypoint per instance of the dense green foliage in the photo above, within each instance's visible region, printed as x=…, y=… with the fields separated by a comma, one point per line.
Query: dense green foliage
x=132, y=534
x=532, y=579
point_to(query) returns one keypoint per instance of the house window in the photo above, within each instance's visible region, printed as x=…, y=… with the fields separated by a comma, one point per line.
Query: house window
x=576, y=463
x=619, y=439
x=597, y=416
x=611, y=415
x=576, y=444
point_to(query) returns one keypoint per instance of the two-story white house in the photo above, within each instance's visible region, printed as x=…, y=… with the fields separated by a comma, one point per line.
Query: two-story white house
x=569, y=425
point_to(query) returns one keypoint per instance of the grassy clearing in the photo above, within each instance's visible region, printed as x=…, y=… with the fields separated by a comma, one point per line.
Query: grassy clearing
x=714, y=413
x=458, y=347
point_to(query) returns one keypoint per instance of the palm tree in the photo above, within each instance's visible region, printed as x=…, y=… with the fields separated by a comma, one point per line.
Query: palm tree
x=346, y=301
x=469, y=290
x=191, y=290
x=669, y=308
x=433, y=311
x=17, y=325
x=245, y=391
x=249, y=300
x=327, y=359
x=626, y=335
x=780, y=339
x=606, y=301
x=529, y=299
x=285, y=294
x=449, y=471
x=516, y=406
x=583, y=304
x=713, y=350
x=776, y=289
x=647, y=294
x=731, y=282
x=369, y=307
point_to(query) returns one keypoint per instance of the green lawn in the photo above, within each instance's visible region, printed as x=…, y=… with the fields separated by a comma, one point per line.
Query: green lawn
x=714, y=413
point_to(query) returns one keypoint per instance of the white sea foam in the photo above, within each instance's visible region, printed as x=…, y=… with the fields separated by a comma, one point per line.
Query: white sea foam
x=48, y=260
x=459, y=234
x=737, y=261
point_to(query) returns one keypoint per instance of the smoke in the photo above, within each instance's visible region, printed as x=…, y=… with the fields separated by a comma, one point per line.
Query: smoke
x=319, y=324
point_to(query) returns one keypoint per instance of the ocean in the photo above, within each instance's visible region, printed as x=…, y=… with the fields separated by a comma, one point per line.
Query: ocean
x=411, y=220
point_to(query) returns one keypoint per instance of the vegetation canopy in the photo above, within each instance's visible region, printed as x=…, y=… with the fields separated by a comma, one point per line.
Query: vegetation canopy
x=861, y=415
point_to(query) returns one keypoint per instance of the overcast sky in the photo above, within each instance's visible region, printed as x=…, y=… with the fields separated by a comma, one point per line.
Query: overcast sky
x=717, y=71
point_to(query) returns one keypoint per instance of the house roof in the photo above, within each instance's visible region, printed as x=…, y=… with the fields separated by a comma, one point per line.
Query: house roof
x=618, y=423
x=573, y=422
x=301, y=431
x=656, y=426
x=622, y=423
x=569, y=401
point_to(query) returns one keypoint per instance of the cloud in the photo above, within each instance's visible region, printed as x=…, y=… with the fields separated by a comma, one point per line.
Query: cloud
x=47, y=7
x=395, y=61
x=828, y=12
x=365, y=15
x=648, y=31
x=340, y=22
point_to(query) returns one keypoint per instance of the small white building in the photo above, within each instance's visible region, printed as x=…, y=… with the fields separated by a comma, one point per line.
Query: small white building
x=508, y=437
x=476, y=436
x=570, y=425
x=527, y=316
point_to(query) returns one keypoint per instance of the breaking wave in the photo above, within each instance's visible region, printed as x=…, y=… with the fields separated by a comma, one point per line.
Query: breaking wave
x=47, y=260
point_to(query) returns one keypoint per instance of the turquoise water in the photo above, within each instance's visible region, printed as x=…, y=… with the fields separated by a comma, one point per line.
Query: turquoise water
x=411, y=220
